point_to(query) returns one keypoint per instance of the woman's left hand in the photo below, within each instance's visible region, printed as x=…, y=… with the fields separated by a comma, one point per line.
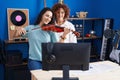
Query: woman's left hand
x=66, y=31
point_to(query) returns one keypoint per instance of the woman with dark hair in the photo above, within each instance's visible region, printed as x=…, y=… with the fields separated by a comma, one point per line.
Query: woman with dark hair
x=61, y=12
x=36, y=36
x=39, y=18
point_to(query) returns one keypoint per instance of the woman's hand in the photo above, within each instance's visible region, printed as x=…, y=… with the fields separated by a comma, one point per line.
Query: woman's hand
x=66, y=31
x=63, y=37
x=20, y=31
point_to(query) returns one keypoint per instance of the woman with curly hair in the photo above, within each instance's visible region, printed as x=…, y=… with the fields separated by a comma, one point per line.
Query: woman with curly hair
x=62, y=12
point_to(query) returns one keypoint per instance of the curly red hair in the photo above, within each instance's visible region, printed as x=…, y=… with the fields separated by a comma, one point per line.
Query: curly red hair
x=57, y=6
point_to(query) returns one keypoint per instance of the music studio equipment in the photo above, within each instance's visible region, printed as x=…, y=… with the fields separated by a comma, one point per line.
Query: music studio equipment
x=106, y=42
x=115, y=36
x=16, y=18
x=109, y=33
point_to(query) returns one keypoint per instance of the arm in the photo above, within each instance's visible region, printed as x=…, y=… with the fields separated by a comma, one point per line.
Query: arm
x=63, y=37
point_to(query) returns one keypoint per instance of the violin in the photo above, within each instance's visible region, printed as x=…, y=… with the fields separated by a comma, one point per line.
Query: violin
x=55, y=28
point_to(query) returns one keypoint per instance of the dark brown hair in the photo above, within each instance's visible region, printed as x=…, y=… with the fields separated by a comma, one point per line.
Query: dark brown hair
x=42, y=12
x=57, y=6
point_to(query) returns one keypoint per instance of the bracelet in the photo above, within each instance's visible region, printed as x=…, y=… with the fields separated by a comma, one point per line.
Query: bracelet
x=62, y=37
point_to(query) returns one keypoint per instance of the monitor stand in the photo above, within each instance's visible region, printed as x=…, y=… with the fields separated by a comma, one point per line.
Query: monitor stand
x=65, y=74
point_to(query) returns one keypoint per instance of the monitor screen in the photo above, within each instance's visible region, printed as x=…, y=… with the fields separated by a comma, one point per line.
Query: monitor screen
x=57, y=55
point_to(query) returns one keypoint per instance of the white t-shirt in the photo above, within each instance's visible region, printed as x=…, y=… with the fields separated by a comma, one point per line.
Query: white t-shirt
x=70, y=37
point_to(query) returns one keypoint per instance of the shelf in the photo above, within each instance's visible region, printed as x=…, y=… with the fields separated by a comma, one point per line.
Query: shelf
x=85, y=38
x=84, y=26
x=85, y=19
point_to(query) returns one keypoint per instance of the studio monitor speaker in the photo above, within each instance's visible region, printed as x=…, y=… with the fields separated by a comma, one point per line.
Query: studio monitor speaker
x=16, y=18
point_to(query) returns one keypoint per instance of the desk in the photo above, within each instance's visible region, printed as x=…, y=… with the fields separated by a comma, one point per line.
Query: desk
x=103, y=70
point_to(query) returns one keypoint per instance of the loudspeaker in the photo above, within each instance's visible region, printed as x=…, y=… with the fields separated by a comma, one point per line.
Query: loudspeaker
x=106, y=43
x=13, y=57
x=16, y=18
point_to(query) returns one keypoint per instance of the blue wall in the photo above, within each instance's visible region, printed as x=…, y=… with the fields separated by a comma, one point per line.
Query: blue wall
x=108, y=8
x=95, y=8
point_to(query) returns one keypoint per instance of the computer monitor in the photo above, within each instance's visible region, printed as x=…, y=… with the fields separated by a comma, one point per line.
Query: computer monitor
x=65, y=56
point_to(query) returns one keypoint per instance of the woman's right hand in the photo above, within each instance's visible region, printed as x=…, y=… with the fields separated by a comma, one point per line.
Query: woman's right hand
x=20, y=31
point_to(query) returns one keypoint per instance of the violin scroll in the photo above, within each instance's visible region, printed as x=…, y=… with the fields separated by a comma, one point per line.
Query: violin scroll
x=76, y=33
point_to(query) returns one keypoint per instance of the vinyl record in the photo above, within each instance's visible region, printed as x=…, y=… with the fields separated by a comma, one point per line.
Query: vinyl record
x=18, y=18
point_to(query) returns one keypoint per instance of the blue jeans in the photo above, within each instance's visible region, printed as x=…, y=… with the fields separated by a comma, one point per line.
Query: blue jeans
x=33, y=64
